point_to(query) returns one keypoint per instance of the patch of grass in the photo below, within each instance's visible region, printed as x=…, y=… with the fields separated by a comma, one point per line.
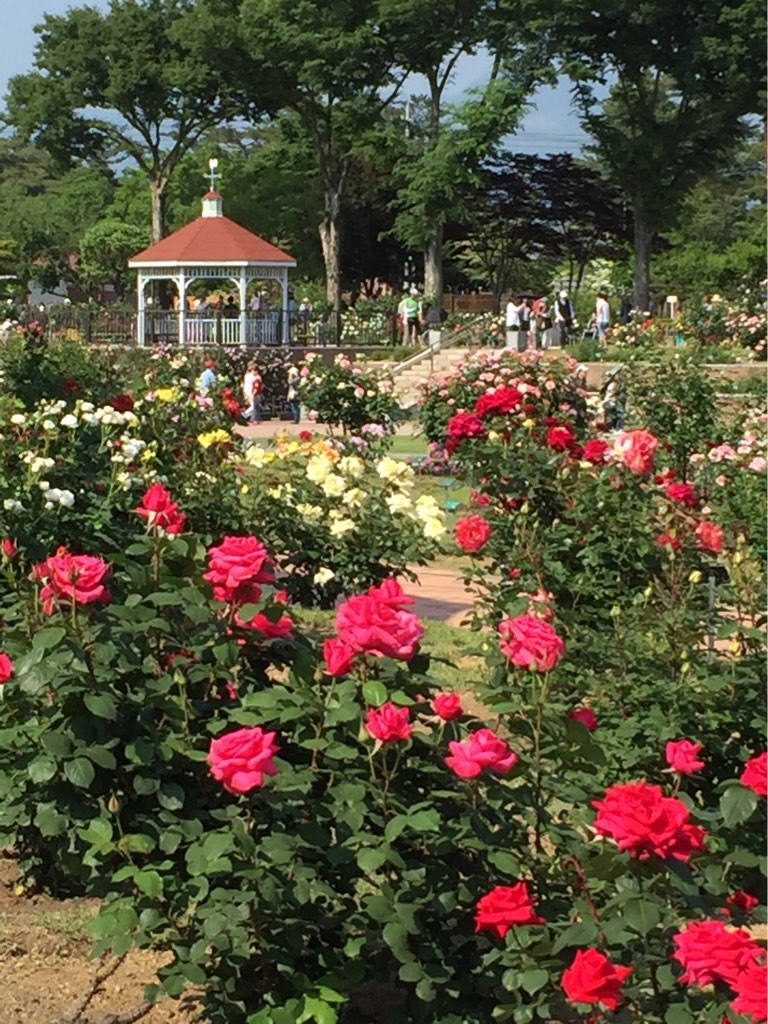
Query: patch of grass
x=408, y=444
x=73, y=922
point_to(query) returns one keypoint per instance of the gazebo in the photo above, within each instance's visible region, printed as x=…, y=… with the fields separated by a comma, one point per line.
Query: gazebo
x=213, y=248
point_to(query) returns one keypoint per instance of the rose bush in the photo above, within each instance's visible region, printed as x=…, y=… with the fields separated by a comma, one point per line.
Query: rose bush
x=348, y=396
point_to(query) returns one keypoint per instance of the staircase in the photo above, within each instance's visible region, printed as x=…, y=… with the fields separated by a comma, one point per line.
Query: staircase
x=427, y=362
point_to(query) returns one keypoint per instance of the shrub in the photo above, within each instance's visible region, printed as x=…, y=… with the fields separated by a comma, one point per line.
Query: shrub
x=347, y=396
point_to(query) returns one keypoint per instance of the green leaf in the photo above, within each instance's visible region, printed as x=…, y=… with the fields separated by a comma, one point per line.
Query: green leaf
x=424, y=821
x=505, y=863
x=737, y=805
x=149, y=882
x=45, y=639
x=677, y=1013
x=42, y=769
x=410, y=972
x=534, y=979
x=80, y=772
x=102, y=705
x=582, y=933
x=375, y=693
x=102, y=757
x=370, y=860
x=640, y=915
x=50, y=822
x=57, y=744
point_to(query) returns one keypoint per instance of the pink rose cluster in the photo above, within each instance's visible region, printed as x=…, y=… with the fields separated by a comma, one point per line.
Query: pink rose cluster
x=375, y=623
x=237, y=568
x=529, y=642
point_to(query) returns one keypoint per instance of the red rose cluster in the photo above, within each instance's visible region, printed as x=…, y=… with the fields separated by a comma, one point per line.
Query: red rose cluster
x=373, y=623
x=161, y=511
x=78, y=579
x=462, y=426
x=498, y=403
x=641, y=820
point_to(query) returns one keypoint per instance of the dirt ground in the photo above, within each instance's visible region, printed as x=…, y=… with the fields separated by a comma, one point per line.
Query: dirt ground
x=45, y=970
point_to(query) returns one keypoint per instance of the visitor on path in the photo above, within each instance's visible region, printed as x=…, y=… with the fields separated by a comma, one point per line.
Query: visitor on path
x=525, y=313
x=512, y=324
x=252, y=393
x=564, y=318
x=411, y=317
x=543, y=323
x=614, y=397
x=207, y=378
x=602, y=315
x=294, y=383
x=231, y=308
x=434, y=319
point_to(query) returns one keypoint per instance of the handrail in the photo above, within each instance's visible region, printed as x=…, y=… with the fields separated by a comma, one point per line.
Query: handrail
x=447, y=340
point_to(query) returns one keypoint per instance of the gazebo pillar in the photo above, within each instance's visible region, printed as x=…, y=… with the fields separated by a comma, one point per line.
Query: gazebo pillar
x=141, y=319
x=181, y=287
x=242, y=287
x=286, y=318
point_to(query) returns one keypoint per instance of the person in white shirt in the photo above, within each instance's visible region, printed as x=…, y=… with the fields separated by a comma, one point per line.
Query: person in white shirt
x=602, y=315
x=252, y=386
x=512, y=323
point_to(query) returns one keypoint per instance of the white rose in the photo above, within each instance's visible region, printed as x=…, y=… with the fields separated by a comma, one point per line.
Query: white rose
x=67, y=499
x=341, y=526
x=333, y=486
x=398, y=503
x=49, y=425
x=18, y=419
x=69, y=421
x=323, y=576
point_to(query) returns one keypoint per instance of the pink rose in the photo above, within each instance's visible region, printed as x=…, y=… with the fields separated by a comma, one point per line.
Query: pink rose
x=8, y=548
x=236, y=567
x=529, y=642
x=338, y=656
x=374, y=623
x=586, y=716
x=78, y=578
x=6, y=668
x=751, y=988
x=389, y=723
x=448, y=706
x=636, y=449
x=481, y=750
x=282, y=628
x=711, y=951
x=241, y=759
x=682, y=756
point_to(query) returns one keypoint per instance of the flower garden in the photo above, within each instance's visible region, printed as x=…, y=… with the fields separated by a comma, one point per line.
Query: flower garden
x=291, y=804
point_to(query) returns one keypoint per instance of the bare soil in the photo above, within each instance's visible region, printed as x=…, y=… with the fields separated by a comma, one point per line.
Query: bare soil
x=45, y=968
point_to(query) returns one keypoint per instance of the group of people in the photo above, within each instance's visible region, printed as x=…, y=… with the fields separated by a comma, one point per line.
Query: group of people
x=414, y=319
x=253, y=390
x=537, y=323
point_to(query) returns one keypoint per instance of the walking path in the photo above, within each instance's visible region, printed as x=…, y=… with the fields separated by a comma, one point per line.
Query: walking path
x=440, y=595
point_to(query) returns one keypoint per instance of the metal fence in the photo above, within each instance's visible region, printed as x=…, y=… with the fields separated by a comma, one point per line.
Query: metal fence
x=212, y=327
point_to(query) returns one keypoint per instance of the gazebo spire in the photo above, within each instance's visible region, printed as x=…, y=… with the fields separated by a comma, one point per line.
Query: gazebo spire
x=212, y=201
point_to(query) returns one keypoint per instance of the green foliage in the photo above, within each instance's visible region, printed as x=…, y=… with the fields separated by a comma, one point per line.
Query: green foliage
x=105, y=249
x=344, y=395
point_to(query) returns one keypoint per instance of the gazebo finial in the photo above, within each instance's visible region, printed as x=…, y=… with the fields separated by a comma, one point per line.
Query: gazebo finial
x=213, y=166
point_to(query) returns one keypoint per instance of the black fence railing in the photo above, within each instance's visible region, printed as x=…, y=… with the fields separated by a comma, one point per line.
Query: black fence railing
x=215, y=327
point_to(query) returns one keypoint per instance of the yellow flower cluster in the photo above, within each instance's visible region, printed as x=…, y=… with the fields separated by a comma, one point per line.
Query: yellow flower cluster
x=166, y=394
x=213, y=437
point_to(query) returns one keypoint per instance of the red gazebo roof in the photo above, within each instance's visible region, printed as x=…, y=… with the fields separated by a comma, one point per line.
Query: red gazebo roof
x=212, y=239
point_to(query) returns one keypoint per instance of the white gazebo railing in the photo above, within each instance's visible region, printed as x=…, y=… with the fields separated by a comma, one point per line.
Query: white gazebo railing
x=211, y=328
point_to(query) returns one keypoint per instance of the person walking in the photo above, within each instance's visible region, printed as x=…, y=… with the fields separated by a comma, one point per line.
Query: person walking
x=411, y=308
x=614, y=398
x=543, y=323
x=602, y=315
x=294, y=383
x=252, y=393
x=207, y=378
x=512, y=323
x=563, y=318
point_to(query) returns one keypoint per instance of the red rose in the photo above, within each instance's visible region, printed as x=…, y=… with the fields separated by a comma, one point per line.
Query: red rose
x=586, y=716
x=560, y=438
x=482, y=500
x=595, y=451
x=305, y=435
x=6, y=668
x=160, y=511
x=683, y=756
x=503, y=907
x=374, y=623
x=755, y=774
x=8, y=548
x=668, y=540
x=389, y=723
x=640, y=819
x=529, y=642
x=241, y=759
x=338, y=656
x=593, y=979
x=460, y=427
x=281, y=628
x=121, y=403
x=637, y=449
x=236, y=567
x=481, y=750
x=751, y=987
x=711, y=951
x=447, y=706
x=681, y=494
x=79, y=578
x=742, y=901
x=472, y=533
x=709, y=536
x=497, y=403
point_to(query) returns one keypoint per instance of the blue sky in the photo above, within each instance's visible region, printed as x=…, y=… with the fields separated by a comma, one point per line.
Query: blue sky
x=549, y=127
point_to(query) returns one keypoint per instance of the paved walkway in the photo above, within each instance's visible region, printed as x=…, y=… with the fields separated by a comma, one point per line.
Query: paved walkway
x=440, y=595
x=268, y=429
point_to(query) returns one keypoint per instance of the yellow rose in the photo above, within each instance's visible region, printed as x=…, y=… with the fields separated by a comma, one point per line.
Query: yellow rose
x=166, y=394
x=398, y=503
x=350, y=465
x=433, y=528
x=333, y=486
x=309, y=511
x=341, y=526
x=213, y=437
x=353, y=497
x=318, y=468
x=323, y=576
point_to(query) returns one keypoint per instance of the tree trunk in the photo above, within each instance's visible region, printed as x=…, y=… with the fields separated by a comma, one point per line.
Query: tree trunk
x=157, y=192
x=433, y=266
x=643, y=241
x=331, y=243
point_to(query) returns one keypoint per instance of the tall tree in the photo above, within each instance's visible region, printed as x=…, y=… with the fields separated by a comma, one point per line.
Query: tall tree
x=328, y=61
x=683, y=74
x=119, y=84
